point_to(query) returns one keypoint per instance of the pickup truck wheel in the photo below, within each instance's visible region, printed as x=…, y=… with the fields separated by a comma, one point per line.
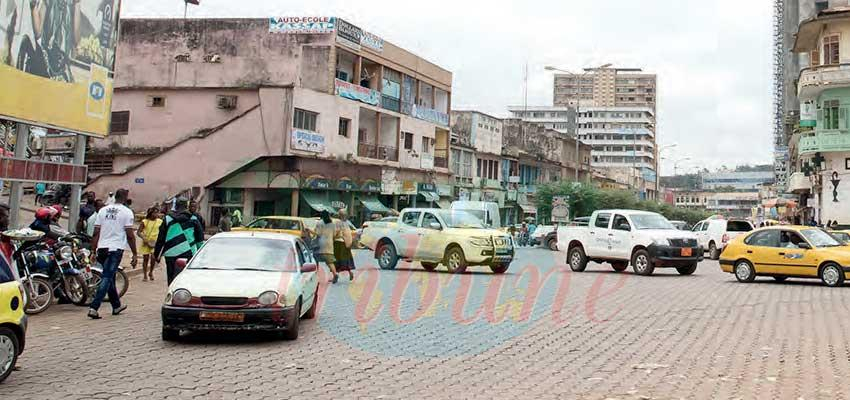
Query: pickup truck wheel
x=499, y=268
x=387, y=256
x=552, y=244
x=429, y=266
x=745, y=272
x=620, y=266
x=713, y=253
x=577, y=259
x=642, y=263
x=455, y=260
x=687, y=269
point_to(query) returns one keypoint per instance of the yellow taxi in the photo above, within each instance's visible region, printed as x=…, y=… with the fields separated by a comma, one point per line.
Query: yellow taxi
x=13, y=322
x=842, y=235
x=787, y=251
x=290, y=225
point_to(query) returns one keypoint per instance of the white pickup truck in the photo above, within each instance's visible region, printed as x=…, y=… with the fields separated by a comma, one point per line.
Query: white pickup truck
x=434, y=236
x=645, y=239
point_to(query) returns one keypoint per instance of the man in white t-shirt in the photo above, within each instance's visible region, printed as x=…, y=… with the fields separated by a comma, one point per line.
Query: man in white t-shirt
x=113, y=231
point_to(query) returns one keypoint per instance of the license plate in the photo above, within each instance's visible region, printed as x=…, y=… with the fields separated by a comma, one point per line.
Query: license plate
x=222, y=316
x=687, y=252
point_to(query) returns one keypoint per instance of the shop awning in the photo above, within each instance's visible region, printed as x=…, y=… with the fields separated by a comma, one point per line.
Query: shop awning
x=445, y=203
x=374, y=205
x=528, y=208
x=318, y=202
x=430, y=196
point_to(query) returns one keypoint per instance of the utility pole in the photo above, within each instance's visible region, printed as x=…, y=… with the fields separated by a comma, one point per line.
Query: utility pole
x=21, y=140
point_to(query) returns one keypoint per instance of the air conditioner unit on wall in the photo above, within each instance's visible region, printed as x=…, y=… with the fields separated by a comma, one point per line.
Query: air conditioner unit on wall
x=226, y=102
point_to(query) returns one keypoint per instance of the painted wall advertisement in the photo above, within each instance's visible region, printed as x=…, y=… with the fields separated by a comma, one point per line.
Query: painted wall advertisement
x=307, y=141
x=430, y=115
x=357, y=92
x=68, y=85
x=302, y=24
x=808, y=113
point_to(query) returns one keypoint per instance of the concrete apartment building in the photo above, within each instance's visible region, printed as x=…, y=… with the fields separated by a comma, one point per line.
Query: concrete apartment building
x=477, y=137
x=738, y=181
x=820, y=149
x=267, y=117
x=606, y=87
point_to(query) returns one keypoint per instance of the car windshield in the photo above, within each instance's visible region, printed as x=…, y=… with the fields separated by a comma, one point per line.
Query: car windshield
x=820, y=238
x=246, y=253
x=476, y=213
x=651, y=221
x=460, y=219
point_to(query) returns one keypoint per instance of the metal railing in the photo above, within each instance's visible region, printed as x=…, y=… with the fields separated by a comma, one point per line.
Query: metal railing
x=377, y=152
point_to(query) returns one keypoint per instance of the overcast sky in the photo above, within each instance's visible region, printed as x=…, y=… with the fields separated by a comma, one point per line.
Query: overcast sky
x=713, y=57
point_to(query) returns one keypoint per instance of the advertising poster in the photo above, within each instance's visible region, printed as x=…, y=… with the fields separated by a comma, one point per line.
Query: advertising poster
x=57, y=60
x=808, y=114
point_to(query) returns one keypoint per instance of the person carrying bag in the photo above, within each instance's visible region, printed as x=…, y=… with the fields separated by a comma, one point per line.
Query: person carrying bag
x=342, y=246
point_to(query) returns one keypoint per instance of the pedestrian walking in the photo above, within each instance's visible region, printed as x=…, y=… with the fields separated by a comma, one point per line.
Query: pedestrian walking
x=342, y=247
x=193, y=208
x=327, y=232
x=113, y=231
x=87, y=209
x=148, y=232
x=180, y=236
x=225, y=224
x=98, y=205
x=40, y=188
x=237, y=217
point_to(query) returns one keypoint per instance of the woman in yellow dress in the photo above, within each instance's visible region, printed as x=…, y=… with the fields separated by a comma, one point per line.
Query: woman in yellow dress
x=148, y=232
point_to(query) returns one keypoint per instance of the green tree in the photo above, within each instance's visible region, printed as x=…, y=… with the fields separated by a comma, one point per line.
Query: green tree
x=584, y=199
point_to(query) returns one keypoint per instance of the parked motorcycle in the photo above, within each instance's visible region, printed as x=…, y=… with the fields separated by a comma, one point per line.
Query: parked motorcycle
x=57, y=263
x=56, y=194
x=81, y=257
x=39, y=291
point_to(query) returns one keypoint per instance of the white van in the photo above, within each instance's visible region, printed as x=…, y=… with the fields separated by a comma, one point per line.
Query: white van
x=713, y=234
x=486, y=211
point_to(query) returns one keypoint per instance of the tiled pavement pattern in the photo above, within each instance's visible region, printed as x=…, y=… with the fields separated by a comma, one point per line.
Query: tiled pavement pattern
x=627, y=337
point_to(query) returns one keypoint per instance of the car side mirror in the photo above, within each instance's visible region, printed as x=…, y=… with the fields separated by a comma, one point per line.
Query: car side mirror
x=309, y=268
x=435, y=226
x=804, y=245
x=624, y=227
x=180, y=264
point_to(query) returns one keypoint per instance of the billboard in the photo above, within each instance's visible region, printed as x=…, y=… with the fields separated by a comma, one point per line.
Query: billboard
x=302, y=24
x=57, y=60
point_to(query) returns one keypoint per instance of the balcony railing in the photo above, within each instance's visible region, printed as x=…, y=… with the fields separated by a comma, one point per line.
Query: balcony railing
x=799, y=182
x=825, y=142
x=815, y=80
x=377, y=152
x=391, y=103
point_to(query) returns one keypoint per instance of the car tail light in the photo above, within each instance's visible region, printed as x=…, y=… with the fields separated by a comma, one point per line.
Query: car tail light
x=725, y=238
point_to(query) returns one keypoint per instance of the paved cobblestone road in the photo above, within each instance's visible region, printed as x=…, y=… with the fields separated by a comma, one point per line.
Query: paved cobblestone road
x=596, y=335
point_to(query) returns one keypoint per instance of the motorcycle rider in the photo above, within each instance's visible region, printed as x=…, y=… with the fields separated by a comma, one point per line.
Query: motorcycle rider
x=44, y=218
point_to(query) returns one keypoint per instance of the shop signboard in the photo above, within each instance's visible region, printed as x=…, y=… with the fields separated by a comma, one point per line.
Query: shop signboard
x=316, y=182
x=370, y=186
x=808, y=114
x=68, y=87
x=408, y=187
x=302, y=25
x=372, y=41
x=560, y=209
x=307, y=141
x=427, y=187
x=356, y=92
x=348, y=34
x=27, y=170
x=426, y=161
x=346, y=185
x=430, y=115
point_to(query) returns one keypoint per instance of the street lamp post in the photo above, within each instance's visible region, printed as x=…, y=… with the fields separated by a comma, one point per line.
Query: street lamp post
x=578, y=105
x=657, y=171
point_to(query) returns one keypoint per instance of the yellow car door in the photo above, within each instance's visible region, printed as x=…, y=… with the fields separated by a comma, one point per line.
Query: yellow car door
x=761, y=249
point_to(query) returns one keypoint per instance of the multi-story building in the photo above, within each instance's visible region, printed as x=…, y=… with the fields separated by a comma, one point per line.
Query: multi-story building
x=561, y=119
x=821, y=151
x=482, y=134
x=533, y=155
x=738, y=181
x=733, y=204
x=786, y=105
x=691, y=198
x=606, y=87
x=268, y=117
